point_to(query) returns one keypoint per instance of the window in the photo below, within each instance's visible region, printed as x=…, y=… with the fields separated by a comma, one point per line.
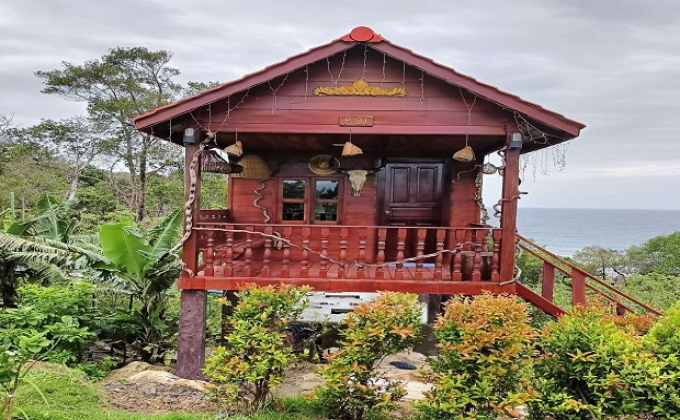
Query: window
x=310, y=199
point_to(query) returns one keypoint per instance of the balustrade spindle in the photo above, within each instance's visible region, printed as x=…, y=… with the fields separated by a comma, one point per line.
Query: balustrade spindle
x=496, y=257
x=362, y=253
x=342, y=270
x=477, y=260
x=267, y=255
x=323, y=270
x=248, y=256
x=380, y=257
x=401, y=245
x=420, y=249
x=210, y=255
x=285, y=262
x=304, y=264
x=229, y=253
x=439, y=259
x=458, y=257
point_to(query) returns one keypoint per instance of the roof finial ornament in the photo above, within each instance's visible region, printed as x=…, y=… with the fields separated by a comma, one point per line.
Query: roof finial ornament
x=362, y=34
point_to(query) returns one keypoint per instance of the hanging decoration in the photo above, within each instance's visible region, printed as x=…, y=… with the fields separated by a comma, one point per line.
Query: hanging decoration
x=211, y=161
x=350, y=149
x=236, y=149
x=323, y=164
x=466, y=154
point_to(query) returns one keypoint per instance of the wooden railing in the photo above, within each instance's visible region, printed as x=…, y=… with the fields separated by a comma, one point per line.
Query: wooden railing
x=347, y=252
x=582, y=282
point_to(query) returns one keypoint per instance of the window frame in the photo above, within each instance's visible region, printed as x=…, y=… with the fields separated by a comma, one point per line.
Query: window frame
x=310, y=201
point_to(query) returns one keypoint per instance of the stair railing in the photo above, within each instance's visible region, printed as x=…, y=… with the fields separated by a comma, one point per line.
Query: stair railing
x=581, y=281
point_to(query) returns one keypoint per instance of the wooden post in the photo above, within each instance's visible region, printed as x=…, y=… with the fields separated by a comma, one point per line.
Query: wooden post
x=548, y=288
x=578, y=287
x=509, y=211
x=191, y=345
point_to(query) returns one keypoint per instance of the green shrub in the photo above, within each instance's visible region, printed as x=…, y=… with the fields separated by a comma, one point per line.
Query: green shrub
x=63, y=314
x=485, y=348
x=386, y=325
x=591, y=368
x=257, y=348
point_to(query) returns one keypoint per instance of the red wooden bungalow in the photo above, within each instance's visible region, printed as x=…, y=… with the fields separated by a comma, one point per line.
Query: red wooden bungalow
x=358, y=173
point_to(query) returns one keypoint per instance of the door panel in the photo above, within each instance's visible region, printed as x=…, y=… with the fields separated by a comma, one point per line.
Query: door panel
x=413, y=197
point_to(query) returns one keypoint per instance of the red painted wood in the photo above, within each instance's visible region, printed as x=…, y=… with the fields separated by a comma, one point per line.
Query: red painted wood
x=477, y=259
x=380, y=259
x=578, y=288
x=229, y=254
x=285, y=269
x=325, y=232
x=306, y=233
x=247, y=271
x=401, y=245
x=539, y=301
x=495, y=259
x=349, y=285
x=420, y=252
x=509, y=213
x=548, y=286
x=266, y=257
x=210, y=254
x=458, y=257
x=439, y=259
x=342, y=270
x=362, y=254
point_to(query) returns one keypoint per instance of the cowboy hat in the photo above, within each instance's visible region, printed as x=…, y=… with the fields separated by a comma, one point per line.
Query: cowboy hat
x=323, y=164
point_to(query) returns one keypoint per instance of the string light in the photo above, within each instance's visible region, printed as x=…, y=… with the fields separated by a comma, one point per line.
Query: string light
x=403, y=82
x=383, y=70
x=342, y=67
x=363, y=70
x=422, y=90
x=306, y=81
x=274, y=99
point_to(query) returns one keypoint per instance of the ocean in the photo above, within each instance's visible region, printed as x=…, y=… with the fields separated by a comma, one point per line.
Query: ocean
x=565, y=231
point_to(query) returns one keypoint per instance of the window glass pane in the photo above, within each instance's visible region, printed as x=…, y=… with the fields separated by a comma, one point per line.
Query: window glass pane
x=293, y=211
x=293, y=188
x=327, y=190
x=326, y=212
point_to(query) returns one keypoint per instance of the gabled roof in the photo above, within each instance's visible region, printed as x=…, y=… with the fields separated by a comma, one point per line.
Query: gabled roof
x=361, y=35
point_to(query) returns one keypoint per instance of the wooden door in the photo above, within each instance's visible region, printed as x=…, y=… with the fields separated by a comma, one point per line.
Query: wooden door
x=412, y=197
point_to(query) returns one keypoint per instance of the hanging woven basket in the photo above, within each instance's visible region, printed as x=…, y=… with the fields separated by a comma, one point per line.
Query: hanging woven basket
x=466, y=154
x=235, y=150
x=213, y=162
x=254, y=167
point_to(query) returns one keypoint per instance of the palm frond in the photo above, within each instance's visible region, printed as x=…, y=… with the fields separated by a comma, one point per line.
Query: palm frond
x=162, y=236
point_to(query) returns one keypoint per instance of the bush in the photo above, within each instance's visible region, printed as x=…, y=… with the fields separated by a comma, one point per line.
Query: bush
x=386, y=325
x=485, y=348
x=257, y=349
x=63, y=314
x=591, y=368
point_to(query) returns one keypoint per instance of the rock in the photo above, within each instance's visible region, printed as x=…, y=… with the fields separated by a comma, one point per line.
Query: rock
x=159, y=377
x=151, y=392
x=132, y=368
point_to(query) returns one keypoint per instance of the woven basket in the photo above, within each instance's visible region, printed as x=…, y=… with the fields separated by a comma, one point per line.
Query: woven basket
x=212, y=162
x=254, y=167
x=466, y=154
x=350, y=149
x=235, y=149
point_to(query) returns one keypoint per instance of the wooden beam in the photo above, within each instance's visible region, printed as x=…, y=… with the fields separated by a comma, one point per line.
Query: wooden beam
x=349, y=285
x=509, y=211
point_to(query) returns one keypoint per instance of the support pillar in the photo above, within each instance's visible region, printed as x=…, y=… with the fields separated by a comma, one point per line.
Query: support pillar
x=509, y=206
x=191, y=342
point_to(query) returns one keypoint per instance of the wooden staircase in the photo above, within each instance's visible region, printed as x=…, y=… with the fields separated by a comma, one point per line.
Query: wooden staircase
x=584, y=286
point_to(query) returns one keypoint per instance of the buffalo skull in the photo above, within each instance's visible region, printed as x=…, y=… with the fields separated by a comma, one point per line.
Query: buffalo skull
x=357, y=178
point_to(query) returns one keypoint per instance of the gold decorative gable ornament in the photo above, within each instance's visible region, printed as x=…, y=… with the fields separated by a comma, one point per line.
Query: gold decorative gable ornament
x=359, y=88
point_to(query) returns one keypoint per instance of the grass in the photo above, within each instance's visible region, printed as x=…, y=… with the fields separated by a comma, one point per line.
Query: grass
x=71, y=396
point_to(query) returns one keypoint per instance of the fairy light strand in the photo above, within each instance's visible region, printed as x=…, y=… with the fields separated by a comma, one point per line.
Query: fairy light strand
x=274, y=98
x=342, y=67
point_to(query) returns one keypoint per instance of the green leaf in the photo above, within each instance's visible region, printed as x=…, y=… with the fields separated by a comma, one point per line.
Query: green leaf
x=125, y=248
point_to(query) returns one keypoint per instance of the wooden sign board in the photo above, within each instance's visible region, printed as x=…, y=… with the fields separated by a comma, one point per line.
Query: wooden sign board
x=356, y=121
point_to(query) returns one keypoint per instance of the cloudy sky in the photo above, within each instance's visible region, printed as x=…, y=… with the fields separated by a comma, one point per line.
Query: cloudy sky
x=613, y=65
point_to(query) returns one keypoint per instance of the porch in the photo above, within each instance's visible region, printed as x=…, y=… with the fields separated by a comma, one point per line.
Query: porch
x=416, y=259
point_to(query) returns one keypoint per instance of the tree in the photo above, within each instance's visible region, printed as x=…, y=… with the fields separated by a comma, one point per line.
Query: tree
x=75, y=140
x=122, y=84
x=603, y=261
x=660, y=254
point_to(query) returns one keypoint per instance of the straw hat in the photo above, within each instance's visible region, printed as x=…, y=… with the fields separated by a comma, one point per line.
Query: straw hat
x=254, y=167
x=323, y=164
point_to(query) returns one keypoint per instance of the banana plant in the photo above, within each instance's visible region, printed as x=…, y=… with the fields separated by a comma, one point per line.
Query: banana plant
x=142, y=267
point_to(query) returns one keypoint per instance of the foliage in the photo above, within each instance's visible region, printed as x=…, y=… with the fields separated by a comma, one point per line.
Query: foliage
x=590, y=368
x=606, y=262
x=257, y=347
x=485, y=350
x=660, y=291
x=122, y=84
x=386, y=325
x=142, y=266
x=63, y=314
x=17, y=358
x=660, y=254
x=97, y=370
